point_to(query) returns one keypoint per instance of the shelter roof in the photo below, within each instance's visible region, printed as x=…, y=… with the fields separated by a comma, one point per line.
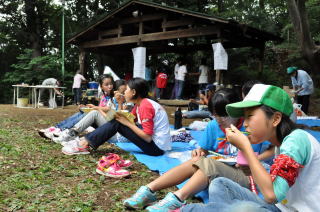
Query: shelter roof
x=163, y=28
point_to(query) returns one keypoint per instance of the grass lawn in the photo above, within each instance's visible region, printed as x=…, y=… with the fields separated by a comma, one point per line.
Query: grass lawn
x=36, y=176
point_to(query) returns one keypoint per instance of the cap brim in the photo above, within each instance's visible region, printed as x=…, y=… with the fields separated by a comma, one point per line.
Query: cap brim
x=236, y=109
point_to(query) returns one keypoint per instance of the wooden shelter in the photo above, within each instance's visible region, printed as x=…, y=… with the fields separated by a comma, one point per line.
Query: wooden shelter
x=163, y=29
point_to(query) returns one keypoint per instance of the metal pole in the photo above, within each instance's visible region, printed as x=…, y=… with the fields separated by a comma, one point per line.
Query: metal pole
x=62, y=42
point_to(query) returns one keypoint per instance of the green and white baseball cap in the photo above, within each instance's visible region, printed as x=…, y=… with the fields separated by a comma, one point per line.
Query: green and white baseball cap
x=261, y=94
x=292, y=69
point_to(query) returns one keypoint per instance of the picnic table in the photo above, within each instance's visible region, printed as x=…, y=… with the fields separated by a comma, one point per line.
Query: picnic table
x=34, y=93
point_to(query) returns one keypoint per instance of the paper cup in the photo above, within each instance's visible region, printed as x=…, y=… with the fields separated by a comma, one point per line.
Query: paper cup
x=241, y=160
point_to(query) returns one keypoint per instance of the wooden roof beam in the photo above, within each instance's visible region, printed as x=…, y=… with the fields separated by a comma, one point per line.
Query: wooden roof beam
x=143, y=18
x=110, y=32
x=182, y=33
x=177, y=23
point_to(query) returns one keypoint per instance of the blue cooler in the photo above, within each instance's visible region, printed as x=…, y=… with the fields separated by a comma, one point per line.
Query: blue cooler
x=93, y=85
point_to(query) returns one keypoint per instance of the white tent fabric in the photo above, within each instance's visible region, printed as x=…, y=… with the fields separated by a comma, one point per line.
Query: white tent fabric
x=139, y=56
x=220, y=57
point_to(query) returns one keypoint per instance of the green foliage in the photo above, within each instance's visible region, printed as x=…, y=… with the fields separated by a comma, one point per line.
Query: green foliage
x=39, y=28
x=31, y=70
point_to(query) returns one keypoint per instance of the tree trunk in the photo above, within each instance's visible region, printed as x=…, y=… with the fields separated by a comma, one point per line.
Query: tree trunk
x=33, y=27
x=261, y=4
x=299, y=18
x=220, y=6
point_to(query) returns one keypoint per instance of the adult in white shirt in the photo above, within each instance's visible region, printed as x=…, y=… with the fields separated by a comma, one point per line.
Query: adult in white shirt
x=53, y=83
x=302, y=85
x=76, y=87
x=203, y=75
x=204, y=72
x=182, y=71
x=175, y=87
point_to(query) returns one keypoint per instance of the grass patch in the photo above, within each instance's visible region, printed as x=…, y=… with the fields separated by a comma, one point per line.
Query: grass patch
x=36, y=176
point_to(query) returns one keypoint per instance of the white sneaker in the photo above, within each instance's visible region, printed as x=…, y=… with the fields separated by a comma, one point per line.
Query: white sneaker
x=65, y=135
x=49, y=129
x=48, y=135
x=48, y=132
x=74, y=148
x=89, y=130
x=57, y=133
x=75, y=140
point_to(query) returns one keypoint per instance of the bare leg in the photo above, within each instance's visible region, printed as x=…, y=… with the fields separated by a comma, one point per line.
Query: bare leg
x=174, y=176
x=198, y=182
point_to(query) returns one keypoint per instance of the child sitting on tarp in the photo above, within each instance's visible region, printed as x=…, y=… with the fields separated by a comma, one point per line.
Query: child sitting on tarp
x=293, y=181
x=199, y=109
x=154, y=137
x=106, y=82
x=95, y=118
x=199, y=170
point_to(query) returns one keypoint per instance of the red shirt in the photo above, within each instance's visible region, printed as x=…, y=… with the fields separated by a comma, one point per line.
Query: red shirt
x=162, y=80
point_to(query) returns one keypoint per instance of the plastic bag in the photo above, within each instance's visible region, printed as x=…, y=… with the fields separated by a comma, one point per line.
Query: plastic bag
x=198, y=125
x=297, y=109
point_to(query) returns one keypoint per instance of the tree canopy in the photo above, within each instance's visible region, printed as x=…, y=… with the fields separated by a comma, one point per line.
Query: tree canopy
x=30, y=37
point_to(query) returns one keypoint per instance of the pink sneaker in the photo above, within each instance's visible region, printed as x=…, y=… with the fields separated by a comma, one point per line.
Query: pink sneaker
x=114, y=171
x=111, y=158
x=124, y=163
x=106, y=161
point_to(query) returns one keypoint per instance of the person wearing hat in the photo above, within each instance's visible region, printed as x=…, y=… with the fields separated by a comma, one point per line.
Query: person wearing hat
x=293, y=181
x=302, y=85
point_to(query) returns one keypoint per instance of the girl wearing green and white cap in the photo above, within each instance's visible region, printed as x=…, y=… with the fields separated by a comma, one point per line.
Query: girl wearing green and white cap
x=293, y=181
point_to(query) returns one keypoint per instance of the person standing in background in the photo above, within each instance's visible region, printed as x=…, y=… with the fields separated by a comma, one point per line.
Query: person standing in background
x=76, y=87
x=161, y=83
x=302, y=85
x=49, y=82
x=203, y=74
x=175, y=87
x=182, y=71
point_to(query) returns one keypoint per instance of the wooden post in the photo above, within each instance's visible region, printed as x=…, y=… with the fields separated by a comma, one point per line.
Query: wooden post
x=81, y=60
x=218, y=77
x=140, y=33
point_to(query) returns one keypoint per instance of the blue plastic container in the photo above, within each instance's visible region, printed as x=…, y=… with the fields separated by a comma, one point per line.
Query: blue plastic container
x=93, y=85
